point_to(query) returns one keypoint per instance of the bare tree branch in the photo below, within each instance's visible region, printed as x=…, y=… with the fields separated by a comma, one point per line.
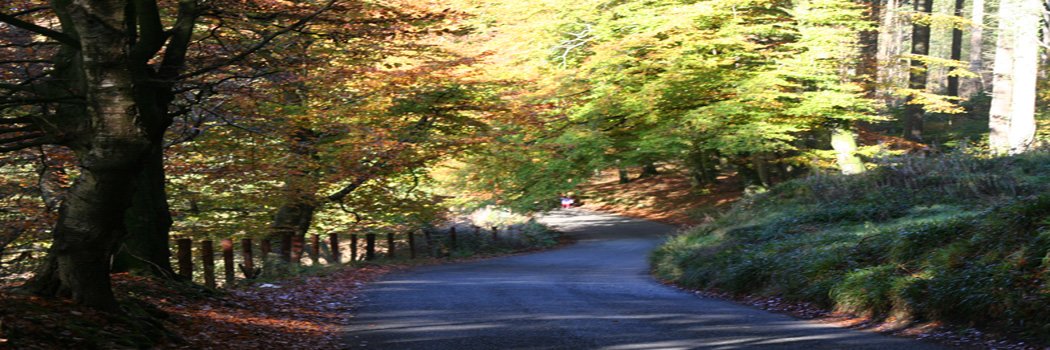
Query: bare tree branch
x=262, y=43
x=58, y=36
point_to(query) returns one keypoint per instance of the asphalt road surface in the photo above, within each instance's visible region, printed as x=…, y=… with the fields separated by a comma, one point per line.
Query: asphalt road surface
x=595, y=294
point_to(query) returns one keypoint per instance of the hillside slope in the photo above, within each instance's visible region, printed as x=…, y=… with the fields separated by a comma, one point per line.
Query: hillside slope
x=668, y=198
x=957, y=239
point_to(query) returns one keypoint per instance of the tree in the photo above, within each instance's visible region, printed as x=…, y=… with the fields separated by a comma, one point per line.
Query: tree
x=108, y=73
x=680, y=82
x=914, y=112
x=974, y=84
x=956, y=49
x=110, y=140
x=1012, y=114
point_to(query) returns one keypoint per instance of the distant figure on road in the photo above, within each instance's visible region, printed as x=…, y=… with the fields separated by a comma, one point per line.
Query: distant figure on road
x=566, y=202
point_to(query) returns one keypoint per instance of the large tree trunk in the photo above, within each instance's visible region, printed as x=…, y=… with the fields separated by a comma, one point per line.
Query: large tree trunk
x=920, y=46
x=146, y=252
x=701, y=167
x=90, y=222
x=1012, y=115
x=294, y=219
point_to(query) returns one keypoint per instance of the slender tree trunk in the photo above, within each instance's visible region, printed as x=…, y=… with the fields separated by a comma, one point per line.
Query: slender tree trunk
x=956, y=54
x=890, y=44
x=868, y=65
x=917, y=78
x=1012, y=115
x=973, y=85
x=845, y=145
x=90, y=222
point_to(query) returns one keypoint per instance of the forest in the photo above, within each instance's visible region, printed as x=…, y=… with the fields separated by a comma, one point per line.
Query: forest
x=128, y=124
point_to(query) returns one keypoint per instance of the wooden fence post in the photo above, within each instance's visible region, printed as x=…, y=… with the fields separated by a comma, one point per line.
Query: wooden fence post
x=452, y=237
x=185, y=256
x=208, y=258
x=370, y=246
x=391, y=248
x=333, y=241
x=227, y=261
x=286, y=248
x=248, y=268
x=264, y=247
x=297, y=249
x=429, y=241
x=353, y=247
x=315, y=249
x=411, y=244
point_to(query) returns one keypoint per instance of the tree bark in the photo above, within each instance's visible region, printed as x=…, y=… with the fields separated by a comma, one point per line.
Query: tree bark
x=956, y=49
x=917, y=78
x=1012, y=115
x=868, y=65
x=890, y=45
x=845, y=146
x=146, y=252
x=973, y=85
x=90, y=221
x=977, y=84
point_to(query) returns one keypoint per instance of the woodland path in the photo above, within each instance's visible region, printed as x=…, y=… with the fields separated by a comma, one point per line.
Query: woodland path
x=595, y=294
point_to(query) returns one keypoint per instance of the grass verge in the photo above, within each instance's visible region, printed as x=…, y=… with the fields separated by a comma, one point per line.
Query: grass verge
x=956, y=238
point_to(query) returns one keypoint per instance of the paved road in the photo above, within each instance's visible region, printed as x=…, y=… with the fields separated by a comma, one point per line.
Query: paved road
x=595, y=294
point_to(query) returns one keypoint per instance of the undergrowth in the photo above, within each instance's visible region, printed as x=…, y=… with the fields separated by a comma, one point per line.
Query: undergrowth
x=957, y=238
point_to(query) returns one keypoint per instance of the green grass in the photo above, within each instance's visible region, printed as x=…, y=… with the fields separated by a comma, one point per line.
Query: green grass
x=957, y=237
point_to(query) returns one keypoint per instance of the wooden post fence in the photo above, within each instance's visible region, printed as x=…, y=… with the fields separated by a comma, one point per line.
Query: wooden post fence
x=185, y=256
x=370, y=246
x=333, y=241
x=452, y=237
x=411, y=244
x=286, y=248
x=227, y=261
x=208, y=258
x=297, y=249
x=353, y=247
x=248, y=267
x=429, y=240
x=315, y=249
x=264, y=247
x=294, y=253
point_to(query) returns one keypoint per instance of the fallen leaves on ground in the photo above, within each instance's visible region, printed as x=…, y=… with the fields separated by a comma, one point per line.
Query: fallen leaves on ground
x=302, y=313
x=299, y=313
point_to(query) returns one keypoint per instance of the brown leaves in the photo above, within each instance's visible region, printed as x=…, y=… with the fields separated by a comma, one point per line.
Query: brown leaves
x=304, y=313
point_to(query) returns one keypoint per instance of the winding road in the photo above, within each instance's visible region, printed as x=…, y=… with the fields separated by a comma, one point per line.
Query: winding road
x=595, y=294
